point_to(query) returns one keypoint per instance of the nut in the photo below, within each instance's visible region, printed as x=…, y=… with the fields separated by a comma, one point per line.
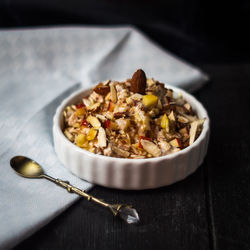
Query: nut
x=94, y=121
x=102, y=89
x=182, y=119
x=138, y=82
x=192, y=132
x=151, y=148
x=102, y=140
x=113, y=93
x=120, y=152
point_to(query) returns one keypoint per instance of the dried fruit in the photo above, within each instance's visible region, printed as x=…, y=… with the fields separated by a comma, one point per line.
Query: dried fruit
x=80, y=140
x=138, y=82
x=91, y=134
x=76, y=125
x=80, y=105
x=176, y=143
x=165, y=123
x=80, y=111
x=102, y=89
x=107, y=124
x=149, y=100
x=85, y=123
x=113, y=126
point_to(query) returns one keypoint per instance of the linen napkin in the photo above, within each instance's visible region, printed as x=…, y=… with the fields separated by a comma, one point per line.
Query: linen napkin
x=38, y=69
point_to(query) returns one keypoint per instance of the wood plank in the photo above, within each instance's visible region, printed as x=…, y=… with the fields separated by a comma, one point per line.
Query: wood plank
x=227, y=99
x=172, y=217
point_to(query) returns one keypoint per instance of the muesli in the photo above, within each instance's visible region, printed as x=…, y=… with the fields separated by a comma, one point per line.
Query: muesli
x=137, y=118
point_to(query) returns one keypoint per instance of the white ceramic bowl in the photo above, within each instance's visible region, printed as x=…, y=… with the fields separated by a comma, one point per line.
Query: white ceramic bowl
x=130, y=173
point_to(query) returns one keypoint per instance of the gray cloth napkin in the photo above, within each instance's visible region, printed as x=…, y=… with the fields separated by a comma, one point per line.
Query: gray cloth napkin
x=38, y=69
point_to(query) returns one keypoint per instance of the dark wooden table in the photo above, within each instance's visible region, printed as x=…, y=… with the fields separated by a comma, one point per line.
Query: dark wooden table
x=208, y=210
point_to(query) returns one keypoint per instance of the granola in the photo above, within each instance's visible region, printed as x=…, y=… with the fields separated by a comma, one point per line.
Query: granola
x=137, y=118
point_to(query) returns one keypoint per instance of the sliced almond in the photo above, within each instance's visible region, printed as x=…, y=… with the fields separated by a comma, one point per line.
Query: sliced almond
x=94, y=121
x=150, y=82
x=151, y=148
x=201, y=121
x=188, y=106
x=165, y=146
x=182, y=119
x=136, y=97
x=101, y=117
x=73, y=107
x=86, y=102
x=191, y=118
x=174, y=150
x=120, y=152
x=68, y=135
x=113, y=94
x=102, y=140
x=107, y=97
x=72, y=119
x=122, y=123
x=106, y=82
x=94, y=106
x=171, y=116
x=192, y=133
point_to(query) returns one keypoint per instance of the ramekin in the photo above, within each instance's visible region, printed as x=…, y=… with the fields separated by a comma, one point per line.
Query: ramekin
x=135, y=174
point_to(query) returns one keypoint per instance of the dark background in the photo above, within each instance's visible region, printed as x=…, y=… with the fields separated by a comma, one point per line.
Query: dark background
x=208, y=210
x=195, y=30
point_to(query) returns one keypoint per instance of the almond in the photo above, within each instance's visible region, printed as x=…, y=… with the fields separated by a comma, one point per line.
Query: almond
x=120, y=152
x=102, y=89
x=102, y=140
x=113, y=93
x=138, y=82
x=192, y=132
x=151, y=148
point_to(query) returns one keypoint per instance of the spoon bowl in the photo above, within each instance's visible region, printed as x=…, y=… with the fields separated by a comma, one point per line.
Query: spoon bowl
x=31, y=169
x=26, y=167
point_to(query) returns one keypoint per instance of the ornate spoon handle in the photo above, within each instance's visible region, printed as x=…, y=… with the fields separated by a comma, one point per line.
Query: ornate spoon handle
x=125, y=212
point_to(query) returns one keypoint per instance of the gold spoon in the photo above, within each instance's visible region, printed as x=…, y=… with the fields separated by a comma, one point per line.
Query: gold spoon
x=31, y=169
